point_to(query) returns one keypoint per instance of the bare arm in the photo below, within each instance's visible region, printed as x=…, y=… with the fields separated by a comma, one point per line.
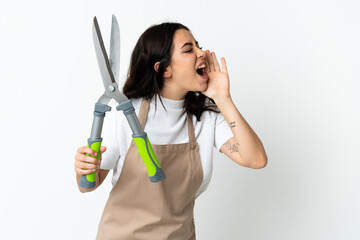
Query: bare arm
x=245, y=148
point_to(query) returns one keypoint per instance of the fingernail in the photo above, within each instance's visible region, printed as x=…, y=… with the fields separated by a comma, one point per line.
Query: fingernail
x=93, y=170
x=95, y=154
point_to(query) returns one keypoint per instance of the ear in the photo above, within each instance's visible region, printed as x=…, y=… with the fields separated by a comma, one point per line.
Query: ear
x=156, y=66
x=167, y=72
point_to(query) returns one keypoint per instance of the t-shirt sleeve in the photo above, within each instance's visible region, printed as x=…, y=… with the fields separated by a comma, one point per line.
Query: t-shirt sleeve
x=222, y=131
x=110, y=141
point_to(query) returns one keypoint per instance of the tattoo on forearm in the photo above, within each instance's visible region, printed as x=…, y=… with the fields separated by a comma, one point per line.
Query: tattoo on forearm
x=232, y=147
x=232, y=124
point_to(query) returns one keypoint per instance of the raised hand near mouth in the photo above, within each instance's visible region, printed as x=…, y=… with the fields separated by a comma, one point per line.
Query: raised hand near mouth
x=218, y=83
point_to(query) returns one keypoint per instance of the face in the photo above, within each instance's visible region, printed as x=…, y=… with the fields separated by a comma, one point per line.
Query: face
x=186, y=70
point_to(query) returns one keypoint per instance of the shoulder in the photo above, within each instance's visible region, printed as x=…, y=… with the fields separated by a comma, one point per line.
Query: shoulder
x=136, y=102
x=212, y=110
x=212, y=113
x=207, y=121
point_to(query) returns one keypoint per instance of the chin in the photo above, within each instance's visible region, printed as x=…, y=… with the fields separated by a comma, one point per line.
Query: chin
x=203, y=87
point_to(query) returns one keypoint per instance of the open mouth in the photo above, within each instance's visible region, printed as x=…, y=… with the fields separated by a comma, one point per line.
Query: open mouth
x=201, y=70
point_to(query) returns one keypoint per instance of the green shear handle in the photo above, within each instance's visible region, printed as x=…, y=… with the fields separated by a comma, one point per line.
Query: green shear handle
x=140, y=138
x=142, y=142
x=147, y=154
x=94, y=142
x=88, y=181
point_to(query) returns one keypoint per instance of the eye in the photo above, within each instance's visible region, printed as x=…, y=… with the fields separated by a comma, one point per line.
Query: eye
x=190, y=50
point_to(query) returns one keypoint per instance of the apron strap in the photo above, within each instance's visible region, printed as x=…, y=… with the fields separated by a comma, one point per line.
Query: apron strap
x=143, y=112
x=143, y=116
x=191, y=131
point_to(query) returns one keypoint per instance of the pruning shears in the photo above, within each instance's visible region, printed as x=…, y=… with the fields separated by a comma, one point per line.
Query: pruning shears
x=109, y=69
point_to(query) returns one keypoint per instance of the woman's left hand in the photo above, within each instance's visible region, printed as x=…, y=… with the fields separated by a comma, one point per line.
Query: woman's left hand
x=218, y=82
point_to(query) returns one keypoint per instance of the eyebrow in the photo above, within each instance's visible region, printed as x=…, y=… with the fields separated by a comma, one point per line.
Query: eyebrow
x=189, y=44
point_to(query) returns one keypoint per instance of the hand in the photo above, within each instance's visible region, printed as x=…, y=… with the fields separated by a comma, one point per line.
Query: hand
x=218, y=82
x=85, y=164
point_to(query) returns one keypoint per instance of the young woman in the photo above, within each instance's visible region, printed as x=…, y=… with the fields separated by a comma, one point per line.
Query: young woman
x=182, y=98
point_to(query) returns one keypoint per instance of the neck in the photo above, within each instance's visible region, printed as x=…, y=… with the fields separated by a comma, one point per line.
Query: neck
x=172, y=92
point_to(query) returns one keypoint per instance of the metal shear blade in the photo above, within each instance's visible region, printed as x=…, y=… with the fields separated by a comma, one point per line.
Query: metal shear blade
x=109, y=69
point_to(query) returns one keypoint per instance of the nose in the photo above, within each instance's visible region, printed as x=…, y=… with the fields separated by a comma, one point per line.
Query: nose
x=200, y=53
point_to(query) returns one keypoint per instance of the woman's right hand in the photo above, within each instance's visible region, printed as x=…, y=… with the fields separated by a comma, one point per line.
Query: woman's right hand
x=85, y=164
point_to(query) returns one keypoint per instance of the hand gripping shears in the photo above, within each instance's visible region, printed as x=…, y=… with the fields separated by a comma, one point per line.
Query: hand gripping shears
x=109, y=69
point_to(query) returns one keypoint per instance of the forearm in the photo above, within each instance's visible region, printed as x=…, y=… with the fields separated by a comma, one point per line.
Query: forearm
x=250, y=147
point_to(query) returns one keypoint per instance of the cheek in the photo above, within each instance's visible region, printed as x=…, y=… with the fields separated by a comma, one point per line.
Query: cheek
x=183, y=68
x=184, y=73
x=185, y=65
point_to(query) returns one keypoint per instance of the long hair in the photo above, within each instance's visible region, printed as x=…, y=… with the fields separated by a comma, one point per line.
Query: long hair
x=155, y=45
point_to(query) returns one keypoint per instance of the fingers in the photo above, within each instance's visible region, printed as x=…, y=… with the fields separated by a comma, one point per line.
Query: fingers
x=102, y=149
x=86, y=167
x=85, y=164
x=216, y=63
x=81, y=171
x=207, y=68
x=223, y=65
x=212, y=63
x=85, y=158
x=87, y=150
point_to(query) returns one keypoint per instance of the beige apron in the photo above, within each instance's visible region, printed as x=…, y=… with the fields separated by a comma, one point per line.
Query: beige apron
x=142, y=210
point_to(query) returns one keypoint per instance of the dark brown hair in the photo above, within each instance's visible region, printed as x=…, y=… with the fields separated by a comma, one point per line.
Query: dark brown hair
x=155, y=45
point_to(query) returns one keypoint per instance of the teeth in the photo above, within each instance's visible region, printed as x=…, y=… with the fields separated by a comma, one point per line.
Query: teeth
x=202, y=66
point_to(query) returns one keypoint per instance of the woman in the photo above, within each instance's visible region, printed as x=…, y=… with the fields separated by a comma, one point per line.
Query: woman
x=183, y=102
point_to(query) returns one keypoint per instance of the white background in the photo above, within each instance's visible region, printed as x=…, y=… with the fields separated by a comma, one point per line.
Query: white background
x=294, y=72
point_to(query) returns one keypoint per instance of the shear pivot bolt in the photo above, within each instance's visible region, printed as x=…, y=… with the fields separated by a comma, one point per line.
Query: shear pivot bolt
x=111, y=88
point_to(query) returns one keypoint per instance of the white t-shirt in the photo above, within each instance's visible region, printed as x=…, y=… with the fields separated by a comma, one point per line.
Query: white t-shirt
x=164, y=127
